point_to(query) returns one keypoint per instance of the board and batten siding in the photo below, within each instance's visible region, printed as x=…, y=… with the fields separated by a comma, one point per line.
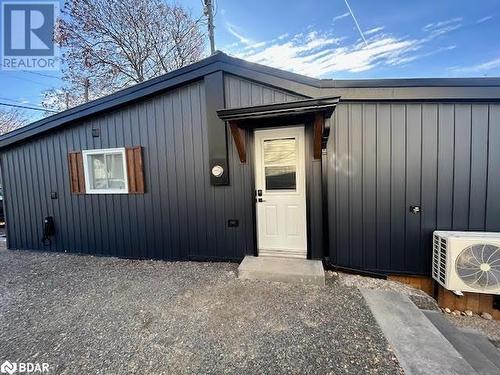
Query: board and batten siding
x=384, y=157
x=181, y=215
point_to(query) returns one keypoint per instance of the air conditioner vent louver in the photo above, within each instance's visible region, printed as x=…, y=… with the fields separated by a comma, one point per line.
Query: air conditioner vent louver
x=479, y=266
x=467, y=261
x=439, y=261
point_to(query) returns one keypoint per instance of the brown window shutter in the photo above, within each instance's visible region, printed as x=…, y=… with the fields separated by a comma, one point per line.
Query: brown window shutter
x=77, y=179
x=135, y=170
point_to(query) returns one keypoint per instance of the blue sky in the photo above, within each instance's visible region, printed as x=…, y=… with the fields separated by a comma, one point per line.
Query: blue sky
x=424, y=38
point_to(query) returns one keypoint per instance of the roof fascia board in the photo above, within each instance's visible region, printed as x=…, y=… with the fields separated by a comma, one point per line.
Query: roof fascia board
x=416, y=82
x=391, y=89
x=107, y=102
x=417, y=94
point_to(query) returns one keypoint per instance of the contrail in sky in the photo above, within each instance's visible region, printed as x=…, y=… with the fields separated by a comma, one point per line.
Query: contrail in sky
x=356, y=22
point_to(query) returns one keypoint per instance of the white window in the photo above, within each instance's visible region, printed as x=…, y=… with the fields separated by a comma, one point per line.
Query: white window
x=105, y=171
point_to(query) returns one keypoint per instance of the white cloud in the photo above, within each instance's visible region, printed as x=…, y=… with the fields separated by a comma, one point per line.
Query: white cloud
x=484, y=19
x=322, y=54
x=318, y=55
x=435, y=25
x=436, y=29
x=340, y=16
x=374, y=30
x=478, y=68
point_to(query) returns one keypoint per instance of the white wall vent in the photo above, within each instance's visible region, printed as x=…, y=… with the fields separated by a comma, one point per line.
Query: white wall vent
x=467, y=261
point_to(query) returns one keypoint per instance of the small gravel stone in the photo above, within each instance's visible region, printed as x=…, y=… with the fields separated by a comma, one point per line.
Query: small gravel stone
x=97, y=315
x=421, y=299
x=486, y=316
x=447, y=310
x=468, y=313
x=457, y=312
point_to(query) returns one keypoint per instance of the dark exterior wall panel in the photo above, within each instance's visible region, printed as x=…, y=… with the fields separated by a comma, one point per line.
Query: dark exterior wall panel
x=413, y=258
x=398, y=192
x=493, y=198
x=383, y=183
x=369, y=184
x=429, y=178
x=478, y=166
x=181, y=216
x=384, y=157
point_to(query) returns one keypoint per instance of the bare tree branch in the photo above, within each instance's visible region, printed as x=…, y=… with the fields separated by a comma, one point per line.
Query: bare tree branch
x=118, y=43
x=11, y=119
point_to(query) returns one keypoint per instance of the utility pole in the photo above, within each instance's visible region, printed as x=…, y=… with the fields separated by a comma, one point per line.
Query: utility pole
x=209, y=12
x=86, y=84
x=66, y=99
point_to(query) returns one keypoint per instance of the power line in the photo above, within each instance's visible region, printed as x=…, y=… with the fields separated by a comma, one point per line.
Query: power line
x=15, y=101
x=356, y=22
x=41, y=74
x=27, y=80
x=27, y=107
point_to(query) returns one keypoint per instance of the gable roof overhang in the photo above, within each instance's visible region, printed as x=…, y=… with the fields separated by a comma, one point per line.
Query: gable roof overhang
x=307, y=111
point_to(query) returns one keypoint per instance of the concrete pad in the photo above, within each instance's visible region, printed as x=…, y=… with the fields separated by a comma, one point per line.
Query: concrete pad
x=285, y=270
x=417, y=343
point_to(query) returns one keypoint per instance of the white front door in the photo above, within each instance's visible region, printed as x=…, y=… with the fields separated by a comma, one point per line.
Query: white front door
x=281, y=192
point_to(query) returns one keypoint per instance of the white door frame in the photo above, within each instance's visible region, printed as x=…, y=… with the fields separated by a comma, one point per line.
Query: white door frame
x=287, y=208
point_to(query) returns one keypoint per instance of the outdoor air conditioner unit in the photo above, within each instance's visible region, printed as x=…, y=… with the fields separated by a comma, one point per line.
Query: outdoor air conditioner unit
x=467, y=261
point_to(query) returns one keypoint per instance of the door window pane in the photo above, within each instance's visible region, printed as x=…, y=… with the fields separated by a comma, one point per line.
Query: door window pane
x=280, y=151
x=280, y=156
x=279, y=178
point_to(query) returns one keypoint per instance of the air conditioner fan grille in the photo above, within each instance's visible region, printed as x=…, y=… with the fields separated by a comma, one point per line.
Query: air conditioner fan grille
x=478, y=266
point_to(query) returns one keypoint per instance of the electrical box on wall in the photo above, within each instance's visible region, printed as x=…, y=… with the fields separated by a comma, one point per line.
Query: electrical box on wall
x=233, y=223
x=216, y=130
x=219, y=172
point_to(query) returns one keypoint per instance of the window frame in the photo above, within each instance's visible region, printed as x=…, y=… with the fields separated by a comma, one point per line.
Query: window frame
x=86, y=172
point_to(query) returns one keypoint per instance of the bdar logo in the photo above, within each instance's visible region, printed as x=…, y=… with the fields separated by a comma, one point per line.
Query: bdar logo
x=8, y=368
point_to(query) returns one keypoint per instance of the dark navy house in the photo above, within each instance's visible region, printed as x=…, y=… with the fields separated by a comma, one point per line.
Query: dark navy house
x=226, y=158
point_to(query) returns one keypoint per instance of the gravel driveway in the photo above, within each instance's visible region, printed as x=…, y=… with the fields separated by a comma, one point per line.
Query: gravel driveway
x=84, y=314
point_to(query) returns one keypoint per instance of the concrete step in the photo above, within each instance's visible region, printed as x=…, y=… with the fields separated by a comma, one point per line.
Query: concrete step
x=286, y=270
x=482, y=360
x=485, y=346
x=417, y=343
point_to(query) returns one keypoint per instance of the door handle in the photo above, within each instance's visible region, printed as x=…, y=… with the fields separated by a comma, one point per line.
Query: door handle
x=261, y=200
